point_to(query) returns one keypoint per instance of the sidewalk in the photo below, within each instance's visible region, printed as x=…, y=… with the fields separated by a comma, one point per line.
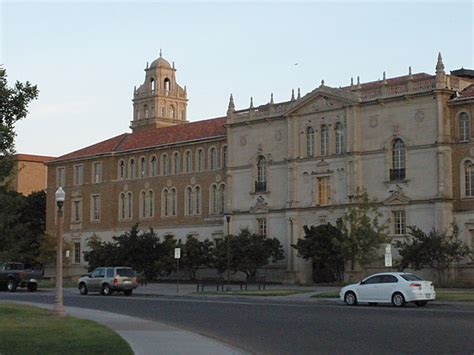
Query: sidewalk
x=148, y=337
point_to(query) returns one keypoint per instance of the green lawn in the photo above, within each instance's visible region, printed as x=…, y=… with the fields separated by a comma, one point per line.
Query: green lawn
x=52, y=284
x=30, y=330
x=332, y=294
x=267, y=293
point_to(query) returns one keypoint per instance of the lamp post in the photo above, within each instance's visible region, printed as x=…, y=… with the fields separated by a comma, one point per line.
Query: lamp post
x=59, y=306
x=227, y=219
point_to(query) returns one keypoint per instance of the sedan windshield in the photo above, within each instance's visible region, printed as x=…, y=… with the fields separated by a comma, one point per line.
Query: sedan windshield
x=410, y=277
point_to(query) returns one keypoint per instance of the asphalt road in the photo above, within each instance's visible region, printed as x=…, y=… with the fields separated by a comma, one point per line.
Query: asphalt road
x=281, y=327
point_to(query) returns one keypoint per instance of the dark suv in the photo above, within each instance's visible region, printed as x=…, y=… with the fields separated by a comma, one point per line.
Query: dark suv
x=107, y=280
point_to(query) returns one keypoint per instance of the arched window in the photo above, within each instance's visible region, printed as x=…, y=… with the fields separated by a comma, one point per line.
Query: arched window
x=200, y=160
x=150, y=204
x=147, y=112
x=129, y=205
x=464, y=131
x=469, y=178
x=340, y=146
x=189, y=201
x=213, y=159
x=174, y=202
x=398, y=160
x=153, y=166
x=165, y=164
x=122, y=213
x=172, y=112
x=142, y=167
x=222, y=198
x=197, y=200
x=143, y=204
x=261, y=183
x=188, y=162
x=176, y=163
x=167, y=85
x=164, y=202
x=152, y=84
x=121, y=170
x=214, y=192
x=324, y=140
x=224, y=157
x=310, y=141
x=133, y=169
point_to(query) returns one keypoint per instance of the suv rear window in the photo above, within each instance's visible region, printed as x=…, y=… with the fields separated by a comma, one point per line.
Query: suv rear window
x=125, y=272
x=410, y=277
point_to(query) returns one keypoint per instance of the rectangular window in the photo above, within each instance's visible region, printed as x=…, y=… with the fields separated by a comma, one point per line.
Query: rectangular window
x=77, y=252
x=78, y=174
x=76, y=215
x=61, y=177
x=324, y=191
x=95, y=207
x=96, y=173
x=262, y=226
x=399, y=222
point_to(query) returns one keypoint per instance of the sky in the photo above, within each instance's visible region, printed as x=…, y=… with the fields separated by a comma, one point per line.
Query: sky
x=86, y=57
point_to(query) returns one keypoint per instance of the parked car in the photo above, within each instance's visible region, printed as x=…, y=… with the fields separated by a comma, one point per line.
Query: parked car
x=107, y=280
x=14, y=275
x=397, y=288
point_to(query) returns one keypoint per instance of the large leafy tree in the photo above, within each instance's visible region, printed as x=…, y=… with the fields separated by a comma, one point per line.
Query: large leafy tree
x=363, y=233
x=196, y=254
x=438, y=250
x=13, y=107
x=324, y=245
x=248, y=252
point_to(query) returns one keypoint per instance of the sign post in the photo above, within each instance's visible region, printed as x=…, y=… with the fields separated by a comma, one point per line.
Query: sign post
x=177, y=256
x=388, y=256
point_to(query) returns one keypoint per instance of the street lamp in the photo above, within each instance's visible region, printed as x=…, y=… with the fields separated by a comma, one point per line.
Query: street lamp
x=59, y=306
x=227, y=219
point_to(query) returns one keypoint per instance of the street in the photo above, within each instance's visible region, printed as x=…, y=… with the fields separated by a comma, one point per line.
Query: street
x=266, y=326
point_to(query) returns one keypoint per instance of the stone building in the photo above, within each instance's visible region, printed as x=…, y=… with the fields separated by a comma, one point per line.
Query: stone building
x=408, y=140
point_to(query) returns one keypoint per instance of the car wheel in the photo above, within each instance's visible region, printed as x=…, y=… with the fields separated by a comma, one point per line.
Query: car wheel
x=128, y=292
x=32, y=287
x=350, y=298
x=11, y=285
x=106, y=291
x=83, y=289
x=398, y=300
x=421, y=303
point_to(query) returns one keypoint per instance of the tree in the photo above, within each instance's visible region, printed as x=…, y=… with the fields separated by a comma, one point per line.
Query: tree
x=196, y=254
x=324, y=245
x=13, y=107
x=248, y=252
x=438, y=250
x=362, y=232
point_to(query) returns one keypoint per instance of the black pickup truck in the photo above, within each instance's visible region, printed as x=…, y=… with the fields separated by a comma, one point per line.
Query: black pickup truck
x=14, y=275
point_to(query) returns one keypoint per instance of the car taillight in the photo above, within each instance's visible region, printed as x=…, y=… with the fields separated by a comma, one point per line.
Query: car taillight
x=415, y=285
x=115, y=282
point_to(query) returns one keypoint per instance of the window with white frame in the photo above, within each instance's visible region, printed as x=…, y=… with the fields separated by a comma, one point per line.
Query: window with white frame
x=78, y=174
x=213, y=159
x=76, y=213
x=96, y=172
x=261, y=183
x=200, y=160
x=324, y=140
x=340, y=143
x=309, y=141
x=262, y=226
x=153, y=166
x=398, y=160
x=399, y=222
x=469, y=179
x=61, y=177
x=464, y=129
x=324, y=191
x=95, y=207
x=77, y=252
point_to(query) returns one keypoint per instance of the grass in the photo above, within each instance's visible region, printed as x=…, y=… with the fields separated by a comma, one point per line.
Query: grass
x=52, y=284
x=266, y=293
x=30, y=330
x=332, y=294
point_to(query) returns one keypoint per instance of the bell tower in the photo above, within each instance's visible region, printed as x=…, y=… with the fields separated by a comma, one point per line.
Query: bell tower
x=159, y=101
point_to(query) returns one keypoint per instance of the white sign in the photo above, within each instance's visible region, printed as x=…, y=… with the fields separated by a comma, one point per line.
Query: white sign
x=388, y=260
x=177, y=253
x=388, y=249
x=67, y=253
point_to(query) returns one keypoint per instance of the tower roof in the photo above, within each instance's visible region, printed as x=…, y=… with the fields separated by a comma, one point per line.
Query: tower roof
x=160, y=63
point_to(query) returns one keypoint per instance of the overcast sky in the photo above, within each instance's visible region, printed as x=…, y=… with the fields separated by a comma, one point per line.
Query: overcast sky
x=87, y=57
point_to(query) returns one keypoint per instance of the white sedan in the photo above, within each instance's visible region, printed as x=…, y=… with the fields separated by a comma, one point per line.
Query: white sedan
x=397, y=288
